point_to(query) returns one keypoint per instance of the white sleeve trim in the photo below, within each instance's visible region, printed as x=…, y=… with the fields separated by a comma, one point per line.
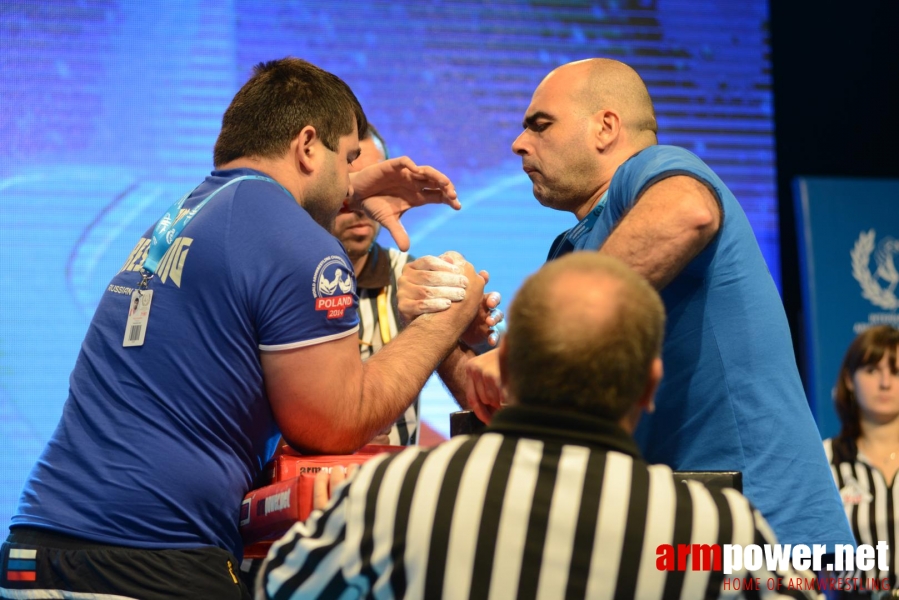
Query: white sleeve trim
x=51, y=594
x=321, y=340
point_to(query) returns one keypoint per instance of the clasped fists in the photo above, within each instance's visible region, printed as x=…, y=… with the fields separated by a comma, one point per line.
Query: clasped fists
x=481, y=334
x=434, y=285
x=431, y=284
x=388, y=189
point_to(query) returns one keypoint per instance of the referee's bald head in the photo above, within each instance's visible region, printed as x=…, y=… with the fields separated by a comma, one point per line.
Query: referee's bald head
x=585, y=335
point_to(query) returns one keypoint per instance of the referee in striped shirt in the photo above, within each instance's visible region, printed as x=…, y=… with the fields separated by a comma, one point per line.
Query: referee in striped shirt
x=377, y=269
x=553, y=500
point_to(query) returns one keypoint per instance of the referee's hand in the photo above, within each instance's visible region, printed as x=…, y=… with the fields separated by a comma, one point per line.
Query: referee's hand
x=325, y=484
x=388, y=189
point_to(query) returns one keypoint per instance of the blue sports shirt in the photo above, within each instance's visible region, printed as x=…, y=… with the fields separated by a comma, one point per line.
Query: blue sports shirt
x=731, y=397
x=158, y=444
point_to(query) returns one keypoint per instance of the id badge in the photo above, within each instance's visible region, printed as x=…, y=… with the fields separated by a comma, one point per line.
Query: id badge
x=138, y=316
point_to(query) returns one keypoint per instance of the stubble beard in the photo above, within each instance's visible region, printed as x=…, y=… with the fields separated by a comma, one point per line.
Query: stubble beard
x=558, y=198
x=322, y=212
x=321, y=201
x=568, y=193
x=355, y=247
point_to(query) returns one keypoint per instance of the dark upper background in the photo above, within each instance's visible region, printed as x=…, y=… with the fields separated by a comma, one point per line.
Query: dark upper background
x=836, y=106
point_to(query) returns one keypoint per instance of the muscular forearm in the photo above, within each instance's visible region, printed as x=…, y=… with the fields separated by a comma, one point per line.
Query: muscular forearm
x=327, y=401
x=394, y=376
x=657, y=257
x=452, y=373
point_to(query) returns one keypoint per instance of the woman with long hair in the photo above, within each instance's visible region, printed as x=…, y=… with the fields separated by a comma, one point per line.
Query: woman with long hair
x=864, y=456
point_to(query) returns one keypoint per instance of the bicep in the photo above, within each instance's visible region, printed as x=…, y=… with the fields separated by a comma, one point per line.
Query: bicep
x=674, y=205
x=671, y=222
x=686, y=193
x=313, y=392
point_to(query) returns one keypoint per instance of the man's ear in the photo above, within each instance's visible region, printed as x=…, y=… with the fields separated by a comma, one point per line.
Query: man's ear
x=647, y=399
x=606, y=128
x=304, y=148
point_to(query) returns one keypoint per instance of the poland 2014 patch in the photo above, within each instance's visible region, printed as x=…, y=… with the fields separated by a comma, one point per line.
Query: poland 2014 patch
x=333, y=286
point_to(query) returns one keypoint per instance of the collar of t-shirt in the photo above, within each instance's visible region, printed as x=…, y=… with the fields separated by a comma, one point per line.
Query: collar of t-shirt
x=240, y=172
x=566, y=427
x=375, y=273
x=567, y=242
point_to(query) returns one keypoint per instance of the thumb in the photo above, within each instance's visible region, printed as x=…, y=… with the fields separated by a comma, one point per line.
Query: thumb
x=397, y=232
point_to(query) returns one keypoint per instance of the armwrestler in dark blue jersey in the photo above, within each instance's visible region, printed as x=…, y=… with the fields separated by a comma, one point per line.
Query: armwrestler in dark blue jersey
x=250, y=333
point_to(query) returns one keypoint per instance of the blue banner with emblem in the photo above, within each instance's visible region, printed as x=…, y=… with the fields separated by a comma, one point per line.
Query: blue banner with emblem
x=848, y=245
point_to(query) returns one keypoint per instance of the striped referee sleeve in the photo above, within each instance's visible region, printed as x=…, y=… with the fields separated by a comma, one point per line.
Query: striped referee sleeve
x=373, y=523
x=421, y=523
x=309, y=561
x=388, y=524
x=352, y=548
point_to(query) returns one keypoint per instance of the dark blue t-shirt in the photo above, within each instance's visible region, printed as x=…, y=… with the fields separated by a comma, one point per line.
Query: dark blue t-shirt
x=731, y=397
x=158, y=444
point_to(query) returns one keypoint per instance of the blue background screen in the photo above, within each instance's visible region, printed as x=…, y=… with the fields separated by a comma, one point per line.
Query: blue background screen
x=109, y=111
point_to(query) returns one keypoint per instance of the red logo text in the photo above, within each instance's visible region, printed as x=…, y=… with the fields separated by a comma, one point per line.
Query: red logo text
x=335, y=305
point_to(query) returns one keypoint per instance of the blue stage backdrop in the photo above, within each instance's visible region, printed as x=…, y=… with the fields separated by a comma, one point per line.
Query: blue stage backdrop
x=109, y=110
x=849, y=239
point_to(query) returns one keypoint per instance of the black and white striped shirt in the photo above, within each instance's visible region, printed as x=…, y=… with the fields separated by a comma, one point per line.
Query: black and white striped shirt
x=871, y=504
x=542, y=505
x=378, y=279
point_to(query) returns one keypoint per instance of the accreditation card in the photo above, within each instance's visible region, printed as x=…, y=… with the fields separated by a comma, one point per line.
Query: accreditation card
x=138, y=316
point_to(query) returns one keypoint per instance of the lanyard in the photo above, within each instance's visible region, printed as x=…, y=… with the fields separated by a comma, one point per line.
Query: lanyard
x=383, y=317
x=585, y=226
x=166, y=230
x=383, y=324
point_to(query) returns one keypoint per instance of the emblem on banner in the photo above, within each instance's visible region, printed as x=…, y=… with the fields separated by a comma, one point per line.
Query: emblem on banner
x=879, y=294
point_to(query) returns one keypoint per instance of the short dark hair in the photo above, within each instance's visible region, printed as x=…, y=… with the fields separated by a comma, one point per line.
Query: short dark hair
x=868, y=348
x=572, y=358
x=281, y=98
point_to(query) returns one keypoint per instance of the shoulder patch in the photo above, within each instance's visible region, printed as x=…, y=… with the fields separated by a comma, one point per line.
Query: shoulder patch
x=333, y=286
